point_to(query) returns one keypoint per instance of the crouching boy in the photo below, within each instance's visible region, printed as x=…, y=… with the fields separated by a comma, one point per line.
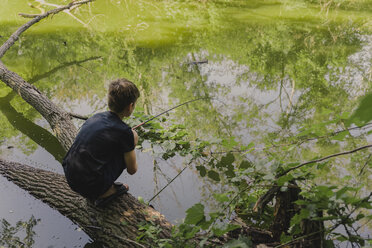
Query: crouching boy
x=104, y=147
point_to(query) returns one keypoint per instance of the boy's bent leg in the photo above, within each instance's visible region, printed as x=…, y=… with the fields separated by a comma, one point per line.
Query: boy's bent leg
x=112, y=190
x=116, y=190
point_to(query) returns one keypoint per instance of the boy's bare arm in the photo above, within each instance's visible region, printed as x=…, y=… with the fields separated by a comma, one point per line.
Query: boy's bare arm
x=130, y=161
x=135, y=135
x=130, y=157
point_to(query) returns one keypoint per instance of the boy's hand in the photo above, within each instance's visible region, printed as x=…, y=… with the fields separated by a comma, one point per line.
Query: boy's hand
x=135, y=137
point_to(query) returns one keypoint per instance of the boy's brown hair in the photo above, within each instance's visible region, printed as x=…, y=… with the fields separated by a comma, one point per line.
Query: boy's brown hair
x=121, y=93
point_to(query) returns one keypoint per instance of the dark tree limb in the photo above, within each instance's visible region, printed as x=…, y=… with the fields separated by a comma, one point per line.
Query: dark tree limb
x=15, y=36
x=58, y=119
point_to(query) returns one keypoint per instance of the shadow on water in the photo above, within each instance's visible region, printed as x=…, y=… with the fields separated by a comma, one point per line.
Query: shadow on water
x=39, y=135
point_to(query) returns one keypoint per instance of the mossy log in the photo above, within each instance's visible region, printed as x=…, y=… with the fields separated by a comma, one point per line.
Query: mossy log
x=113, y=226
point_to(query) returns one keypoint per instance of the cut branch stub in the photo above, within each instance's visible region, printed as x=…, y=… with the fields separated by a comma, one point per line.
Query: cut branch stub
x=114, y=226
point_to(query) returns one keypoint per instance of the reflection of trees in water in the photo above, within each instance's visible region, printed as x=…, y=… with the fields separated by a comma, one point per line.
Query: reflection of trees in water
x=20, y=235
x=25, y=125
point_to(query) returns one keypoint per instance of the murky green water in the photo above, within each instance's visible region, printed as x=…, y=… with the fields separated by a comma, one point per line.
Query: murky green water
x=273, y=66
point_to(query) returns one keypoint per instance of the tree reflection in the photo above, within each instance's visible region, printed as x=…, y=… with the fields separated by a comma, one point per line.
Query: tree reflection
x=11, y=236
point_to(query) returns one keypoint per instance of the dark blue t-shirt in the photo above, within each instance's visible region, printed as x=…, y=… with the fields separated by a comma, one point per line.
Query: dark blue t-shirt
x=96, y=158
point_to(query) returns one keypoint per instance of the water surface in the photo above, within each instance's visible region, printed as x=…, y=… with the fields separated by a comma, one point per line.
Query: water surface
x=272, y=68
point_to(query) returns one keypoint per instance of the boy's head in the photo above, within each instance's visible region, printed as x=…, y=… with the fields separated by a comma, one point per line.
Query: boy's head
x=122, y=94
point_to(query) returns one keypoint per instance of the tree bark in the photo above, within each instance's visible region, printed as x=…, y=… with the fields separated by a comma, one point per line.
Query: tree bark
x=59, y=120
x=113, y=226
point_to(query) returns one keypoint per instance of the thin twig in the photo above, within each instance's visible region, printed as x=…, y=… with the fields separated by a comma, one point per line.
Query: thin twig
x=324, y=158
x=15, y=36
x=297, y=239
x=179, y=105
x=365, y=164
x=295, y=142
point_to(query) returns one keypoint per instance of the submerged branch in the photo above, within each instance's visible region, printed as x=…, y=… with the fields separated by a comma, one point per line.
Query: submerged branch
x=28, y=15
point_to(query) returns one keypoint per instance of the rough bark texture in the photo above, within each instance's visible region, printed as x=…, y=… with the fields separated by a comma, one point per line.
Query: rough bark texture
x=59, y=120
x=312, y=231
x=285, y=209
x=114, y=226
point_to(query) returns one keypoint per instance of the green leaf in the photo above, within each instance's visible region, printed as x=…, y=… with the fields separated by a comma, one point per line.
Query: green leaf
x=221, y=197
x=340, y=136
x=226, y=160
x=344, y=115
x=224, y=229
x=245, y=164
x=363, y=113
x=284, y=179
x=247, y=147
x=301, y=202
x=242, y=242
x=201, y=170
x=214, y=175
x=285, y=238
x=304, y=214
x=191, y=234
x=195, y=214
x=141, y=200
x=229, y=144
x=206, y=224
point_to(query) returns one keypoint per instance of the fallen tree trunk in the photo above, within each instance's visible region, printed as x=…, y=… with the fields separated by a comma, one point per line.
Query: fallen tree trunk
x=113, y=226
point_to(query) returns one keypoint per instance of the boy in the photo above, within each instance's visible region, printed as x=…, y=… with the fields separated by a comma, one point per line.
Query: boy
x=104, y=147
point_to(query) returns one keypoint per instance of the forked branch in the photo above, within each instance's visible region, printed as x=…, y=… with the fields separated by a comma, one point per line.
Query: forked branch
x=15, y=36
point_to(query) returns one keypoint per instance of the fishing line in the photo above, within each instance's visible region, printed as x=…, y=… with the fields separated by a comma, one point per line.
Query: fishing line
x=179, y=105
x=156, y=116
x=179, y=173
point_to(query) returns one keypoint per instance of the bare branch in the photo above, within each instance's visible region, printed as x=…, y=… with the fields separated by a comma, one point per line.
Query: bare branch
x=28, y=15
x=15, y=36
x=325, y=158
